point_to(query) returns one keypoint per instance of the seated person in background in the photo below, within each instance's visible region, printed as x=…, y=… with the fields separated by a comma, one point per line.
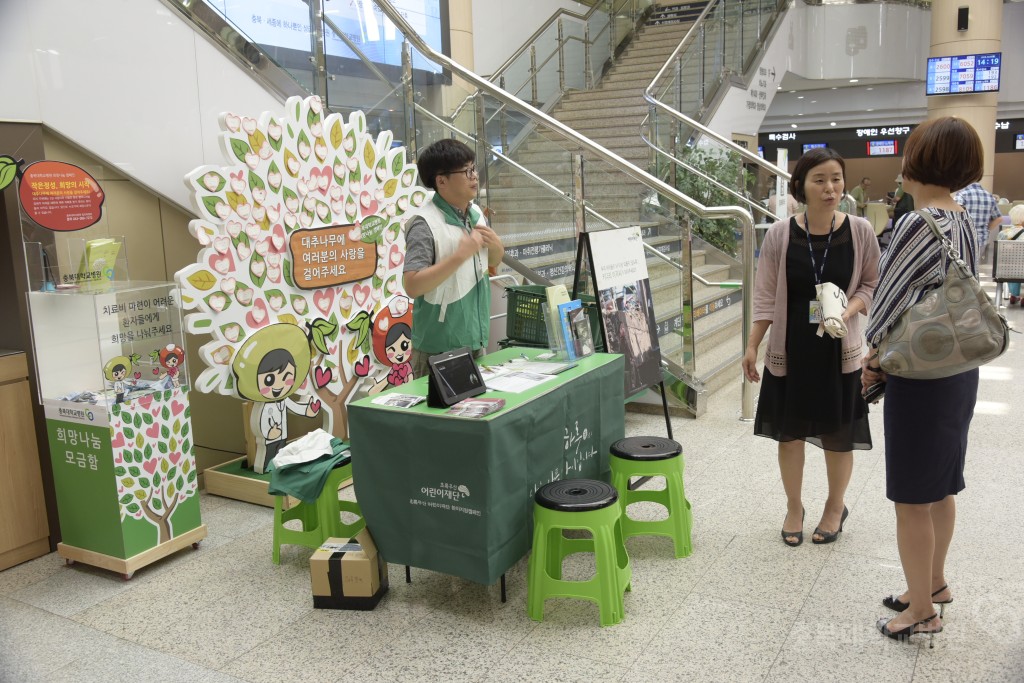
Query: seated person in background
x=450, y=251
x=1014, y=232
x=860, y=194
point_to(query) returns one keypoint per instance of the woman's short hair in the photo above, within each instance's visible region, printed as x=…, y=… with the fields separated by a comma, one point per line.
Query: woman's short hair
x=804, y=164
x=1017, y=215
x=444, y=156
x=946, y=152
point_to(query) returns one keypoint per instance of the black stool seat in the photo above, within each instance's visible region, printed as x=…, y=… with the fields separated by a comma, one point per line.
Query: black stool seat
x=646, y=448
x=576, y=495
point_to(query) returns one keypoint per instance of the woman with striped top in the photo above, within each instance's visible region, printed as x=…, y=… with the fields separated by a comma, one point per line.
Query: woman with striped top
x=926, y=421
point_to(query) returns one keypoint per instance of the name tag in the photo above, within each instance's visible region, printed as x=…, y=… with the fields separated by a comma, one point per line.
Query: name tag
x=814, y=314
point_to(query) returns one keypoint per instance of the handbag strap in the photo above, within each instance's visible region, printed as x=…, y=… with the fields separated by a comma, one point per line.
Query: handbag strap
x=947, y=245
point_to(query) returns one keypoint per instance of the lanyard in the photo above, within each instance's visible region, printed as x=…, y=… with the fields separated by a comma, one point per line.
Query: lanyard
x=814, y=269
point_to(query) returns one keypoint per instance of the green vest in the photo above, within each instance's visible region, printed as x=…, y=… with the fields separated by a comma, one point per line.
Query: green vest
x=458, y=312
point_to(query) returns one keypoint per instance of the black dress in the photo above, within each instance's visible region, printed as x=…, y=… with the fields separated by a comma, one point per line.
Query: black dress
x=814, y=402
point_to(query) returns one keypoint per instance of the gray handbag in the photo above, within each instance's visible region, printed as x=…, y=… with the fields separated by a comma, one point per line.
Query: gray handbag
x=953, y=329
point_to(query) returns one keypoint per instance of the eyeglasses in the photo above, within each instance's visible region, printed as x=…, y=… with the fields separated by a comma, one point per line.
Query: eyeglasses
x=470, y=172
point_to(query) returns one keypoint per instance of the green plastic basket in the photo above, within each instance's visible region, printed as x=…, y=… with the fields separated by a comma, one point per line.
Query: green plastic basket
x=525, y=316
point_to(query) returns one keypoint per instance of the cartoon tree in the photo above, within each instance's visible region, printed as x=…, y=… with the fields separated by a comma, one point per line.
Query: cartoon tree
x=152, y=459
x=291, y=175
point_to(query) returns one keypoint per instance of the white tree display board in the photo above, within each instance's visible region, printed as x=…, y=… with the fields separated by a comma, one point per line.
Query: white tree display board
x=300, y=233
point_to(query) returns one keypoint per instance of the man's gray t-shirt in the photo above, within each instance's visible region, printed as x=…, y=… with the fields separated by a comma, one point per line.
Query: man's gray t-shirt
x=419, y=245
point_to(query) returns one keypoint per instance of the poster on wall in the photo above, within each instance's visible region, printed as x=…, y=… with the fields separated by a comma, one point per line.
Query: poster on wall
x=299, y=274
x=56, y=195
x=624, y=299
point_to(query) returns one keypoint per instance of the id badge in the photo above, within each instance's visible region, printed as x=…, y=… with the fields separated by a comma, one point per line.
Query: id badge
x=814, y=315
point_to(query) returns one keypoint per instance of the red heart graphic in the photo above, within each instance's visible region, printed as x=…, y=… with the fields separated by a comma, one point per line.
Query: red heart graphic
x=156, y=371
x=153, y=431
x=150, y=466
x=314, y=405
x=363, y=367
x=155, y=411
x=176, y=407
x=257, y=317
x=395, y=256
x=322, y=377
x=175, y=457
x=138, y=375
x=145, y=401
x=118, y=441
x=323, y=300
x=361, y=293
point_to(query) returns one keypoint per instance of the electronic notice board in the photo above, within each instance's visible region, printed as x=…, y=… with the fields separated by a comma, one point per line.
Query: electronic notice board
x=964, y=74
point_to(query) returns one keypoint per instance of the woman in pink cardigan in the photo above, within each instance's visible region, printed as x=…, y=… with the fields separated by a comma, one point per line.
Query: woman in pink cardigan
x=812, y=390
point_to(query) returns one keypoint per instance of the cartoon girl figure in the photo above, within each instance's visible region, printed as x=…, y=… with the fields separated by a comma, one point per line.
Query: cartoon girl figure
x=171, y=357
x=116, y=371
x=392, y=343
x=269, y=368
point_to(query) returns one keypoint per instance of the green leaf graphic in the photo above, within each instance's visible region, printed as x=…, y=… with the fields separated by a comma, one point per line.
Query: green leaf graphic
x=372, y=228
x=240, y=148
x=8, y=171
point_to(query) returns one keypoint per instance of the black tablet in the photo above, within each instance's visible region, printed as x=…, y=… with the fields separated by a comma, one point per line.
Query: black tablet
x=453, y=376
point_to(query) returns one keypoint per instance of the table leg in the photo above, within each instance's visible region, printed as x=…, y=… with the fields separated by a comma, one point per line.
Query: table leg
x=503, y=588
x=408, y=574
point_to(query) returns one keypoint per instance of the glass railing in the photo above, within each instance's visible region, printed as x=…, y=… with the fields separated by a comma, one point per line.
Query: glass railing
x=543, y=180
x=718, y=51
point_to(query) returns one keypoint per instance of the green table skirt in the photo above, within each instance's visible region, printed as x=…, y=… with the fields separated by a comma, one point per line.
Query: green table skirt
x=455, y=495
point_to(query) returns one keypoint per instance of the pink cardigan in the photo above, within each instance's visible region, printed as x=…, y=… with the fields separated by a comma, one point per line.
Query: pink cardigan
x=770, y=291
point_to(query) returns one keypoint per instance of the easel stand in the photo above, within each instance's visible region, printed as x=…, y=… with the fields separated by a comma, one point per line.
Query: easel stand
x=616, y=274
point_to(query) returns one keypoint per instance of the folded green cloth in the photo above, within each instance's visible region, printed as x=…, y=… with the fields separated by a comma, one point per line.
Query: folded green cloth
x=305, y=480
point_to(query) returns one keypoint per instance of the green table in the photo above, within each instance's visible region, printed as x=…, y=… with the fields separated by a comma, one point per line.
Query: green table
x=455, y=495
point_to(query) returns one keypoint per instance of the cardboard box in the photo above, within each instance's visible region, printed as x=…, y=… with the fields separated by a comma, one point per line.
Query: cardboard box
x=348, y=573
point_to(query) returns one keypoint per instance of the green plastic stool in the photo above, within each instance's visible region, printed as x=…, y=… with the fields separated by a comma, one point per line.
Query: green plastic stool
x=578, y=504
x=652, y=456
x=320, y=520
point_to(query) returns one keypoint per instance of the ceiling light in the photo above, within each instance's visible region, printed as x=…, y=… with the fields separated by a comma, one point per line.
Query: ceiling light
x=869, y=110
x=869, y=88
x=854, y=80
x=814, y=101
x=835, y=88
x=799, y=97
x=832, y=123
x=792, y=125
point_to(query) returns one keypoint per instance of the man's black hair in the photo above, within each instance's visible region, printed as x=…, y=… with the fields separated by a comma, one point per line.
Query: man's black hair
x=444, y=156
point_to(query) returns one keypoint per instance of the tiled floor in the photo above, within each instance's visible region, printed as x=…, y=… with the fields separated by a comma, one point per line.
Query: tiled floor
x=743, y=607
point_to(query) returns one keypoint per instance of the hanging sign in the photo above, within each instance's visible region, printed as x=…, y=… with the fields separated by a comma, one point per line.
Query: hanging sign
x=323, y=257
x=60, y=196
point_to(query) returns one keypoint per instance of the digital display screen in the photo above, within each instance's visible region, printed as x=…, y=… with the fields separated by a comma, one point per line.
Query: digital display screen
x=882, y=148
x=285, y=25
x=458, y=375
x=963, y=74
x=1019, y=141
x=813, y=145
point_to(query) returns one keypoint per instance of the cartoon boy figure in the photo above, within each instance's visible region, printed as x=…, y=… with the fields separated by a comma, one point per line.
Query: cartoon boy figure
x=269, y=368
x=116, y=372
x=392, y=343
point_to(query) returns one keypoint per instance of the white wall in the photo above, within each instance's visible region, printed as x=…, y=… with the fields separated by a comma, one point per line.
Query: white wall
x=128, y=80
x=500, y=28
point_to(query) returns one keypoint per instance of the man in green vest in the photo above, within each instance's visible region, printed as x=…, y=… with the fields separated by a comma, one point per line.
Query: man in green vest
x=449, y=253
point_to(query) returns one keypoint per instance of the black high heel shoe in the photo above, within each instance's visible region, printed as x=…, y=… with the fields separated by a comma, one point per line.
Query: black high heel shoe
x=903, y=634
x=897, y=605
x=830, y=536
x=798, y=535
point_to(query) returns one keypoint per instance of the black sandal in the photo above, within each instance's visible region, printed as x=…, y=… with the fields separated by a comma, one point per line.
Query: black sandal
x=903, y=634
x=895, y=604
x=798, y=535
x=830, y=536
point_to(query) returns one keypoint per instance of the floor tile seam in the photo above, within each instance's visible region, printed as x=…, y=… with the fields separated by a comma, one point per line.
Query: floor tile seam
x=792, y=625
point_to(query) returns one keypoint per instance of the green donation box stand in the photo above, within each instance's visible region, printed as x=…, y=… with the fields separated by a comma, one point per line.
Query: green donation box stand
x=115, y=394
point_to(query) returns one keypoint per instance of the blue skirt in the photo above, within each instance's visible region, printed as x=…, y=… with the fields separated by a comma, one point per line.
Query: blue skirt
x=926, y=425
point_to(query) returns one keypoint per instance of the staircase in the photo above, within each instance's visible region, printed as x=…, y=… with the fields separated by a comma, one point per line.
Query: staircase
x=611, y=115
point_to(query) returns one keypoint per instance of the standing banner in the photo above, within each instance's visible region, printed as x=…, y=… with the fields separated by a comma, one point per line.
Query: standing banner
x=619, y=268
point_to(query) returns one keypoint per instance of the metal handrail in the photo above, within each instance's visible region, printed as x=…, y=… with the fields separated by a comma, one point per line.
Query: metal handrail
x=747, y=400
x=556, y=16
